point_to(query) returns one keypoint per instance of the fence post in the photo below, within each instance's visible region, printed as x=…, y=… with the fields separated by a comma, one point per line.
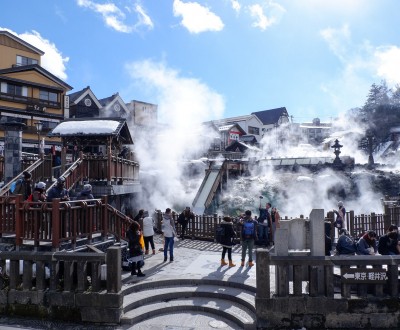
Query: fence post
x=373, y=221
x=351, y=227
x=55, y=224
x=19, y=218
x=113, y=261
x=263, y=274
x=104, y=201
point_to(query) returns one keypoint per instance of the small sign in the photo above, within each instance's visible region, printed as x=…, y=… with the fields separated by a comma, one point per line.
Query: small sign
x=364, y=275
x=35, y=107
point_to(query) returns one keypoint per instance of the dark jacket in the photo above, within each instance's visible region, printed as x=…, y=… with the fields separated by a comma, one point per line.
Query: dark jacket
x=387, y=246
x=86, y=195
x=57, y=192
x=227, y=239
x=345, y=245
x=135, y=249
x=23, y=188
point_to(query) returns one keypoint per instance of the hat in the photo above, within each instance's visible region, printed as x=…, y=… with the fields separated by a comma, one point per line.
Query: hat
x=87, y=187
x=61, y=179
x=340, y=203
x=41, y=185
x=27, y=175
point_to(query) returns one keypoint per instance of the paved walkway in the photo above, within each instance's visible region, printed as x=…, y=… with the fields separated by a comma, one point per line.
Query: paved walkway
x=192, y=259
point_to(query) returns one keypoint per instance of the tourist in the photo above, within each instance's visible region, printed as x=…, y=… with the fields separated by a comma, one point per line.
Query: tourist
x=169, y=232
x=227, y=240
x=86, y=192
x=264, y=221
x=366, y=245
x=23, y=186
x=340, y=216
x=148, y=232
x=139, y=218
x=39, y=193
x=275, y=223
x=388, y=244
x=184, y=219
x=135, y=249
x=345, y=243
x=248, y=236
x=58, y=191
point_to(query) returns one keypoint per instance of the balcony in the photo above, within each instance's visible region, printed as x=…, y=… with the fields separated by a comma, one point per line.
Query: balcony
x=42, y=104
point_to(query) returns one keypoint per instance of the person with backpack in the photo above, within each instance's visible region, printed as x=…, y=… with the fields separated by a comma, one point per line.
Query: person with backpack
x=226, y=240
x=135, y=249
x=248, y=236
x=23, y=186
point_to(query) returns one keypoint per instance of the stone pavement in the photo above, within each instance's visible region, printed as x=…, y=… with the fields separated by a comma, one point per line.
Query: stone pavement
x=192, y=259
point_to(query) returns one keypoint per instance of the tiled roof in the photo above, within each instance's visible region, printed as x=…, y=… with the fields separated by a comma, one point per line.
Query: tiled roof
x=271, y=116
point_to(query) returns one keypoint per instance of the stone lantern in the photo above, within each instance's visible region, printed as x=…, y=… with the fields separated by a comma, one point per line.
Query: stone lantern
x=337, y=162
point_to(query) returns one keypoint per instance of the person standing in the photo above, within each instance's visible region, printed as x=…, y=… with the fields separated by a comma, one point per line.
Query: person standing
x=184, y=219
x=275, y=223
x=135, y=249
x=169, y=232
x=39, y=193
x=24, y=186
x=264, y=221
x=227, y=241
x=86, y=192
x=248, y=236
x=340, y=216
x=148, y=232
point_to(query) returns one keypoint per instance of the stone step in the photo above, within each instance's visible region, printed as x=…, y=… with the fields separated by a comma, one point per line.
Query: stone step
x=165, y=293
x=235, y=312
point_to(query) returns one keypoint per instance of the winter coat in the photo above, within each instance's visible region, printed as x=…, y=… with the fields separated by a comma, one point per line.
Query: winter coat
x=387, y=246
x=57, y=192
x=135, y=249
x=148, y=226
x=227, y=239
x=168, y=226
x=364, y=247
x=86, y=195
x=345, y=245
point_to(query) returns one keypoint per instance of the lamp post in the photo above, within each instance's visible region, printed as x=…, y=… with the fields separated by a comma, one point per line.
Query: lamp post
x=39, y=126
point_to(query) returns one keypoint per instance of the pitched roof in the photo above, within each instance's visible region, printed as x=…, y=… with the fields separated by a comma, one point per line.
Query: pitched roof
x=39, y=69
x=19, y=40
x=75, y=98
x=271, y=116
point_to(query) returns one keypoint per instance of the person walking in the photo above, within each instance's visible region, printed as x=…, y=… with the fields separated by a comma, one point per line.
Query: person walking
x=23, y=186
x=248, y=236
x=135, y=249
x=148, y=232
x=227, y=241
x=169, y=232
x=184, y=219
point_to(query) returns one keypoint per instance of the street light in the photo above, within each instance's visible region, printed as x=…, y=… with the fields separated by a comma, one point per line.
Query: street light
x=39, y=126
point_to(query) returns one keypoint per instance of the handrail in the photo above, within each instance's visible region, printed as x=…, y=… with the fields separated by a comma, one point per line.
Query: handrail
x=67, y=173
x=5, y=189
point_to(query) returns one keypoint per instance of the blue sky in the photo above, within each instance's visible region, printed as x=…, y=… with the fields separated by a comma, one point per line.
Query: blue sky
x=220, y=58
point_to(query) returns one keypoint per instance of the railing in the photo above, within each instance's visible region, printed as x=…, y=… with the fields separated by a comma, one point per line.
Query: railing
x=59, y=222
x=295, y=273
x=1, y=168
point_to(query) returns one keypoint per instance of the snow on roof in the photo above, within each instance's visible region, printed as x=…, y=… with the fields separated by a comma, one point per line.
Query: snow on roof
x=86, y=127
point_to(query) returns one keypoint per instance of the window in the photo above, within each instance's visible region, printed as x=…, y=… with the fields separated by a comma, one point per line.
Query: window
x=49, y=124
x=17, y=90
x=48, y=96
x=254, y=130
x=22, y=60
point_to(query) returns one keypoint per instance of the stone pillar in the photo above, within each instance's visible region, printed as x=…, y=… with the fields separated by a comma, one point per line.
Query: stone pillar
x=317, y=232
x=12, y=149
x=282, y=240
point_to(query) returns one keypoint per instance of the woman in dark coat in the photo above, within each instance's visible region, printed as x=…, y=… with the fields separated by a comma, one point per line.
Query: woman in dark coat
x=227, y=241
x=135, y=249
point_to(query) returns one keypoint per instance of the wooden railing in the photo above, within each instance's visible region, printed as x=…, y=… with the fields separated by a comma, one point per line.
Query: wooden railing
x=313, y=270
x=59, y=222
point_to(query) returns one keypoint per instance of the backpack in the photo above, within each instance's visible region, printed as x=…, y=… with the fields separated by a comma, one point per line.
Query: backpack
x=14, y=185
x=248, y=229
x=219, y=233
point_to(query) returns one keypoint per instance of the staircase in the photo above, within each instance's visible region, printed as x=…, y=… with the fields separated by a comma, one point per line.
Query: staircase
x=226, y=300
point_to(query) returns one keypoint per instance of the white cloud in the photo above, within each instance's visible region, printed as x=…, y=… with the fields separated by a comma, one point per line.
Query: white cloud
x=197, y=18
x=236, y=6
x=263, y=20
x=115, y=17
x=362, y=64
x=52, y=60
x=388, y=63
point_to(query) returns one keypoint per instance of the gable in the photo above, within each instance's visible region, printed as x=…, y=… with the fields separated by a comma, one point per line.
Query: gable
x=9, y=40
x=33, y=77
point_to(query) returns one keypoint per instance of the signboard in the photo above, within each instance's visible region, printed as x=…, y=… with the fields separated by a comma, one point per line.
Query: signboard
x=35, y=107
x=364, y=275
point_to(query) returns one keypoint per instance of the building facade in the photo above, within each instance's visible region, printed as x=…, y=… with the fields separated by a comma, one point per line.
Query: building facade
x=29, y=94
